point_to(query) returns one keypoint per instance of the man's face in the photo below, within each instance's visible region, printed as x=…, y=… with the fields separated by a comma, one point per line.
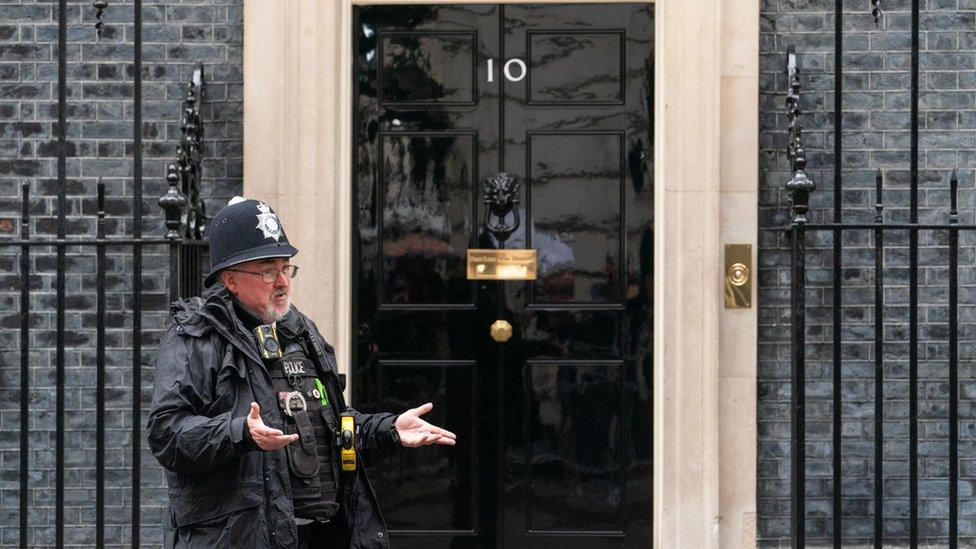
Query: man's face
x=269, y=300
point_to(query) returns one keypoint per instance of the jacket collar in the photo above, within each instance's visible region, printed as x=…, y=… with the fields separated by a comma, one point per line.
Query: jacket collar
x=215, y=310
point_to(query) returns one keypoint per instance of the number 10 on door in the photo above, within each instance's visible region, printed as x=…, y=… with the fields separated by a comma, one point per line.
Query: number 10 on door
x=512, y=65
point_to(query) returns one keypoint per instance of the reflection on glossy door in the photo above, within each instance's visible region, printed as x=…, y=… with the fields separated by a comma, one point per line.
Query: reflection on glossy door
x=554, y=423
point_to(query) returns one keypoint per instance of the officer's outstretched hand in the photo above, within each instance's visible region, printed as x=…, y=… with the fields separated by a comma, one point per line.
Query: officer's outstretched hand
x=265, y=437
x=415, y=432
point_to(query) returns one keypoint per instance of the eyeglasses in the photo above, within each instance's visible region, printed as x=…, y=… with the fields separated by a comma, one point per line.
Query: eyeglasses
x=270, y=275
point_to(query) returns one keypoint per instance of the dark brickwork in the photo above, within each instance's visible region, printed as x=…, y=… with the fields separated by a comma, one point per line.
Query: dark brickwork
x=876, y=135
x=176, y=35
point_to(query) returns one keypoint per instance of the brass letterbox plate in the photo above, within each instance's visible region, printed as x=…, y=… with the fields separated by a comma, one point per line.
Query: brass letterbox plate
x=501, y=264
x=738, y=276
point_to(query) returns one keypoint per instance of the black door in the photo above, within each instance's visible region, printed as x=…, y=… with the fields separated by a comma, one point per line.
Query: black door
x=555, y=423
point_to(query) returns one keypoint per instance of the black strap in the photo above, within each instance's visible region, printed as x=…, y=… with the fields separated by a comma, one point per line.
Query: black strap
x=306, y=435
x=313, y=349
x=316, y=353
x=302, y=458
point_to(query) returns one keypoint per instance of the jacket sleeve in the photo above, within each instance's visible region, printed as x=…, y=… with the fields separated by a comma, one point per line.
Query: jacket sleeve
x=376, y=431
x=376, y=437
x=181, y=436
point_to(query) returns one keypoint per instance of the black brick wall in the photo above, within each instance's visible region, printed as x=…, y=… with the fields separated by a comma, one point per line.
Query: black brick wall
x=176, y=35
x=875, y=135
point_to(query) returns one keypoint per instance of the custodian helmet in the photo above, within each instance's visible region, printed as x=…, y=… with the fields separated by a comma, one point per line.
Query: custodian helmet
x=245, y=230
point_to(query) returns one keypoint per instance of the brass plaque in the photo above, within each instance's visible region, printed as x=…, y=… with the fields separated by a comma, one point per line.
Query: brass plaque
x=501, y=264
x=738, y=276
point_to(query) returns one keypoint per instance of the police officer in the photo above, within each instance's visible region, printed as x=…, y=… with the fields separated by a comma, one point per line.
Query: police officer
x=248, y=416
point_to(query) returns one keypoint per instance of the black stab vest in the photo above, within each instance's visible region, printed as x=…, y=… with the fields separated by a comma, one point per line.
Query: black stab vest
x=312, y=459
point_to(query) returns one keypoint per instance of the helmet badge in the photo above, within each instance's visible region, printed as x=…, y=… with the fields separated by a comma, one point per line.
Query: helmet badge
x=268, y=222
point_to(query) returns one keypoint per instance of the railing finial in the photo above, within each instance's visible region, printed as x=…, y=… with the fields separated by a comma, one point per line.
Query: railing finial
x=173, y=203
x=800, y=185
x=878, y=197
x=185, y=212
x=876, y=12
x=100, y=6
x=953, y=197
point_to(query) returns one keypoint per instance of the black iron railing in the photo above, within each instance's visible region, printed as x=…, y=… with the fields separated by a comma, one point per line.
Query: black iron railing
x=185, y=221
x=800, y=188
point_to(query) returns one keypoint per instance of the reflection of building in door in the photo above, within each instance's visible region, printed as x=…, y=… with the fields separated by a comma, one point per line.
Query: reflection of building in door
x=419, y=251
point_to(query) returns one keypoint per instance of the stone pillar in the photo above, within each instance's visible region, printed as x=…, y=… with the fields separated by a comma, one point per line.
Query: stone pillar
x=739, y=218
x=687, y=273
x=292, y=139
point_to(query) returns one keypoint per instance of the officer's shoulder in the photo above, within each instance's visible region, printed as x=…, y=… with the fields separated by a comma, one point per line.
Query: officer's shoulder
x=314, y=329
x=186, y=320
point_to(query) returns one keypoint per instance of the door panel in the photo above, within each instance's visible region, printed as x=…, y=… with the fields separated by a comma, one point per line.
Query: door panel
x=557, y=58
x=427, y=487
x=427, y=194
x=554, y=425
x=573, y=204
x=428, y=68
x=574, y=476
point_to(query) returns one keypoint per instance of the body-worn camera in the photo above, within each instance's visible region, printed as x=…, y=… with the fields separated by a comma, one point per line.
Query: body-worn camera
x=268, y=341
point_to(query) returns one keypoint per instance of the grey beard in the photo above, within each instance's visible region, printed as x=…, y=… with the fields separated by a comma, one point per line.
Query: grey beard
x=271, y=315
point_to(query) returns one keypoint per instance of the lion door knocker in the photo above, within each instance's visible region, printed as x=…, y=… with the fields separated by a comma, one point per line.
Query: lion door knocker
x=501, y=193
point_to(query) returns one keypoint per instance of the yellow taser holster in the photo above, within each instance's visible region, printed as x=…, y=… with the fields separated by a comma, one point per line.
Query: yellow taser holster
x=347, y=442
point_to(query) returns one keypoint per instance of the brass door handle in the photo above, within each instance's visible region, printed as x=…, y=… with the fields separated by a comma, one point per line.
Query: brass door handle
x=501, y=331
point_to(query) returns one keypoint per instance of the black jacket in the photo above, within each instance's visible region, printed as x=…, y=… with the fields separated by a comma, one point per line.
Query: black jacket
x=224, y=491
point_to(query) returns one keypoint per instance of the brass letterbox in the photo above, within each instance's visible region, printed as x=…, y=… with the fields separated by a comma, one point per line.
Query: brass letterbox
x=501, y=264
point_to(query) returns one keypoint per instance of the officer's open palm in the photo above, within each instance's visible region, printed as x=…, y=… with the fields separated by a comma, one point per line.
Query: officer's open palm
x=265, y=437
x=415, y=432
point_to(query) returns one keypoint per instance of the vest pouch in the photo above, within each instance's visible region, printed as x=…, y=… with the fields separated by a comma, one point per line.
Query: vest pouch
x=302, y=456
